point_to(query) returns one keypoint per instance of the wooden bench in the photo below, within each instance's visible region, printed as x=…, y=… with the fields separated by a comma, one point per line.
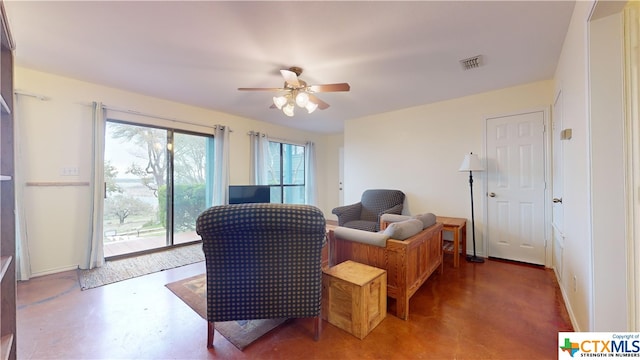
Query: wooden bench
x=409, y=263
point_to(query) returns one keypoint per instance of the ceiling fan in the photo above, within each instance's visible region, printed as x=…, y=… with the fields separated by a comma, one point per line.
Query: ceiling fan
x=296, y=92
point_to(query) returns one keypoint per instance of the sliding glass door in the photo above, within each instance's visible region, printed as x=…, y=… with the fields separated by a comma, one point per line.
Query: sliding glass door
x=192, y=191
x=157, y=181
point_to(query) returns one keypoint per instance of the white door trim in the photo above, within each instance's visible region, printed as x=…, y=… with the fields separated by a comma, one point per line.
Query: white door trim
x=632, y=172
x=548, y=262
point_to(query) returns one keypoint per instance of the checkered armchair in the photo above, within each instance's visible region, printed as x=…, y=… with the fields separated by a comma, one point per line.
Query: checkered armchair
x=365, y=215
x=262, y=262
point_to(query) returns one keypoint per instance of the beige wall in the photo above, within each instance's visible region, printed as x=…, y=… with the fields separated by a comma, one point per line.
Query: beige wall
x=419, y=150
x=572, y=80
x=58, y=134
x=589, y=75
x=607, y=123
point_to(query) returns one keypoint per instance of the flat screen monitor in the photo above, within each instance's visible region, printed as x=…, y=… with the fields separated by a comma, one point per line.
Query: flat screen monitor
x=244, y=194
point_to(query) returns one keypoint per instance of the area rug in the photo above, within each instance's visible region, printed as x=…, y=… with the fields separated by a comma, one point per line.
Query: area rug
x=118, y=270
x=193, y=292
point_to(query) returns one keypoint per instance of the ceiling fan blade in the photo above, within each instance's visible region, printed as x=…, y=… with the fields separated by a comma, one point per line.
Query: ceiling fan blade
x=262, y=89
x=321, y=104
x=330, y=87
x=290, y=78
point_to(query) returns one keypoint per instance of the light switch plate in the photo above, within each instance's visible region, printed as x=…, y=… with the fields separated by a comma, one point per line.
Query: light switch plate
x=69, y=171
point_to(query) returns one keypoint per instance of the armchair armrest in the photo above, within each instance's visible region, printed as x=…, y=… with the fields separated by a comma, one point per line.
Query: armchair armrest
x=361, y=236
x=397, y=210
x=347, y=213
x=386, y=219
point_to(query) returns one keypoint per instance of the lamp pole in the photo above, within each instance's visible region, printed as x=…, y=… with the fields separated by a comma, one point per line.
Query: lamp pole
x=471, y=163
x=473, y=258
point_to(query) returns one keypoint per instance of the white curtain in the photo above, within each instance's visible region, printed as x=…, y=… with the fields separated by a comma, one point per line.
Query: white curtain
x=311, y=186
x=23, y=261
x=259, y=158
x=632, y=74
x=95, y=253
x=221, y=161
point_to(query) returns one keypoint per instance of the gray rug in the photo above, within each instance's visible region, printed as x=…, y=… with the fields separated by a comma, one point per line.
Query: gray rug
x=118, y=270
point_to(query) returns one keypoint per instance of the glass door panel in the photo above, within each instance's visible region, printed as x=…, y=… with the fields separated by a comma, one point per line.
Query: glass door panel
x=192, y=187
x=135, y=171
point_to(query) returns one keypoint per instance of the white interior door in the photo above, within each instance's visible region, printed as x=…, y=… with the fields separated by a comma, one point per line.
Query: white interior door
x=515, y=187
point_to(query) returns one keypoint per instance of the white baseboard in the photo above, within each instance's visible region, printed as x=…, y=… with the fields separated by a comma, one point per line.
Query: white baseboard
x=567, y=304
x=54, y=271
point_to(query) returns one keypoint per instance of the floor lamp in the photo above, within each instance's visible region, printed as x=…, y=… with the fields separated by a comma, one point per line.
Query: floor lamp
x=471, y=163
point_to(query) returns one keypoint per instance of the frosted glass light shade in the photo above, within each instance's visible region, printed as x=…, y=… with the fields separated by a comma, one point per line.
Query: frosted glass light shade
x=279, y=101
x=288, y=109
x=302, y=99
x=311, y=107
x=471, y=163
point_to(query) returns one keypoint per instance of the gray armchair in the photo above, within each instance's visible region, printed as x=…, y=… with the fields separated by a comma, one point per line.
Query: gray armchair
x=262, y=262
x=365, y=215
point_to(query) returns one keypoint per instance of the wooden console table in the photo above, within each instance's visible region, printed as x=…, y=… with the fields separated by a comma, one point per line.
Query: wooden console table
x=459, y=228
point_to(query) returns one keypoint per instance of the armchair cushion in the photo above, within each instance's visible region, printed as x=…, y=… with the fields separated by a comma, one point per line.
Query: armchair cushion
x=365, y=237
x=404, y=229
x=427, y=219
x=391, y=218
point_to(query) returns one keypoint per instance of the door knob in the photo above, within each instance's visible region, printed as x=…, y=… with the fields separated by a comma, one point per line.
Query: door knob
x=556, y=200
x=492, y=194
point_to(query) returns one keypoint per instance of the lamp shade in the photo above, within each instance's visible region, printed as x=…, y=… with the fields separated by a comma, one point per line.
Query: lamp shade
x=471, y=163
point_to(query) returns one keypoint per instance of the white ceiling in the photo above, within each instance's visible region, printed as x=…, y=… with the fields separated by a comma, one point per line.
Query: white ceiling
x=393, y=54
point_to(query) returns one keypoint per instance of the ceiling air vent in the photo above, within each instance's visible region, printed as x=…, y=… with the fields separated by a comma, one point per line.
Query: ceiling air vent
x=472, y=62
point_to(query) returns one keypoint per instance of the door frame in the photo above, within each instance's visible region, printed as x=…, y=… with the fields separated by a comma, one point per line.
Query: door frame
x=546, y=145
x=556, y=144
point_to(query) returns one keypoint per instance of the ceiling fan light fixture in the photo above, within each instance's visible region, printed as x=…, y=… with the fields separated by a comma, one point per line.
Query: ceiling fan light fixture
x=311, y=107
x=279, y=101
x=296, y=92
x=288, y=109
x=302, y=99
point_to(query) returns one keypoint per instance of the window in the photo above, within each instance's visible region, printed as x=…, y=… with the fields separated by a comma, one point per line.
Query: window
x=286, y=173
x=157, y=182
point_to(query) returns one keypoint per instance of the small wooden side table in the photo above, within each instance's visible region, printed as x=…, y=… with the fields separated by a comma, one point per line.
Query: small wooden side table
x=354, y=297
x=459, y=228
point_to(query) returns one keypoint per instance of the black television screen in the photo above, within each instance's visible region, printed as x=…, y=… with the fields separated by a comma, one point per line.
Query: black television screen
x=244, y=194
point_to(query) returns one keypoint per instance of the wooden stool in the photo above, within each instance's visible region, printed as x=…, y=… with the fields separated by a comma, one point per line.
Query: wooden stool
x=354, y=297
x=459, y=228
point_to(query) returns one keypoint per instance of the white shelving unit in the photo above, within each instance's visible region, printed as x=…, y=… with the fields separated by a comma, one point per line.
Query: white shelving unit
x=7, y=196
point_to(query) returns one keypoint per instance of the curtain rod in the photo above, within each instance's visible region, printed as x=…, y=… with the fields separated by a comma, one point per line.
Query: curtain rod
x=285, y=141
x=134, y=112
x=30, y=94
